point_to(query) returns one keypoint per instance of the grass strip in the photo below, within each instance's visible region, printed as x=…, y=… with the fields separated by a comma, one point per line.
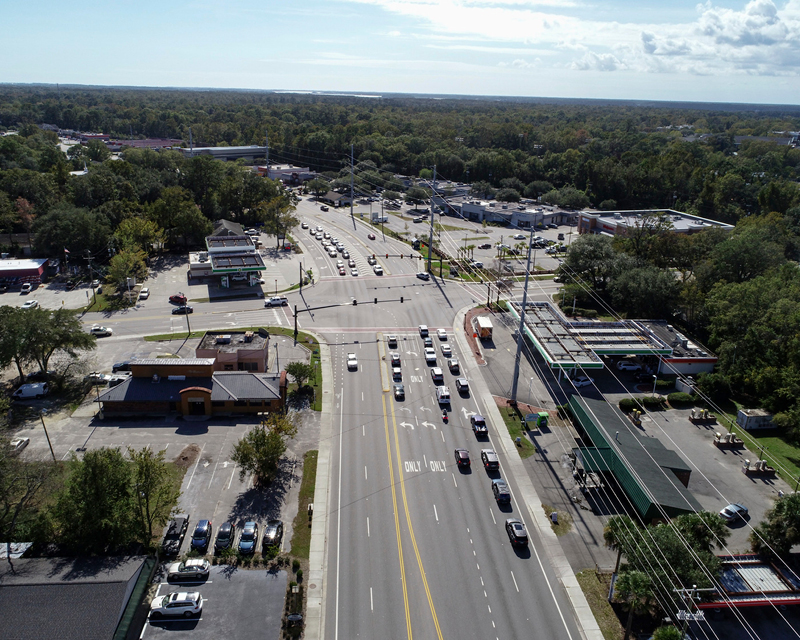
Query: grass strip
x=301, y=528
x=514, y=425
x=596, y=592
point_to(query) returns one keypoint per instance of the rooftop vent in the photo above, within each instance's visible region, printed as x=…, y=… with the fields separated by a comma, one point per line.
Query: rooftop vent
x=224, y=339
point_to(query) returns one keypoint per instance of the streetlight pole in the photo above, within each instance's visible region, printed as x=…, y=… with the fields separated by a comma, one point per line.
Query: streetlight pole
x=655, y=380
x=276, y=288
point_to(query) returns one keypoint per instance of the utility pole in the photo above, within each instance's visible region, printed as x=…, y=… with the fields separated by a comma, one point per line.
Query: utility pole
x=352, y=169
x=91, y=279
x=301, y=278
x=689, y=594
x=47, y=435
x=266, y=139
x=430, y=240
x=515, y=380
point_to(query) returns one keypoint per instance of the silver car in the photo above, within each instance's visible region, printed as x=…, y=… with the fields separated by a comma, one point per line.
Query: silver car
x=194, y=568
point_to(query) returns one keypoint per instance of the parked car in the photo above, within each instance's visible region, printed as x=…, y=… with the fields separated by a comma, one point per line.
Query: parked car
x=628, y=365
x=249, y=538
x=97, y=378
x=40, y=376
x=191, y=569
x=31, y=391
x=226, y=536
x=125, y=365
x=173, y=539
x=734, y=511
x=144, y=294
x=582, y=381
x=30, y=304
x=18, y=444
x=26, y=288
x=273, y=533
x=177, y=604
x=201, y=537
x=485, y=245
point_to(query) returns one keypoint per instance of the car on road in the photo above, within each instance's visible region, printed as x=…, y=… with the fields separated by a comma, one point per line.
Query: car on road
x=273, y=533
x=490, y=460
x=174, y=536
x=324, y=208
x=378, y=269
x=345, y=253
x=441, y=334
x=318, y=236
x=485, y=245
x=351, y=263
x=397, y=373
x=193, y=568
x=443, y=395
x=371, y=261
x=422, y=275
x=304, y=225
x=437, y=375
x=733, y=512
x=501, y=491
x=97, y=378
x=453, y=365
x=517, y=533
x=226, y=536
x=125, y=365
x=423, y=330
x=30, y=304
x=628, y=365
x=447, y=352
x=342, y=271
x=248, y=541
x=427, y=341
x=177, y=604
x=552, y=225
x=99, y=331
x=430, y=355
x=519, y=236
x=582, y=381
x=354, y=273
x=201, y=537
x=395, y=359
x=391, y=340
x=26, y=288
x=18, y=444
x=477, y=264
x=144, y=294
x=276, y=301
x=178, y=298
x=352, y=361
x=478, y=423
x=182, y=311
x=462, y=457
x=462, y=385
x=399, y=392
x=371, y=236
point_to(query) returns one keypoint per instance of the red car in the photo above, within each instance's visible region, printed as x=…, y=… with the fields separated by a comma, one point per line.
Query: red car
x=178, y=298
x=342, y=272
x=371, y=236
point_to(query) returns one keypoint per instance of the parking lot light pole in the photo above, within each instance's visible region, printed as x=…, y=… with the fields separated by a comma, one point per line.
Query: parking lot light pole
x=655, y=380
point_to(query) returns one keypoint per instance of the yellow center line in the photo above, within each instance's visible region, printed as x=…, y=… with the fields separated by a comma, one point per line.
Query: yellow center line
x=411, y=527
x=396, y=516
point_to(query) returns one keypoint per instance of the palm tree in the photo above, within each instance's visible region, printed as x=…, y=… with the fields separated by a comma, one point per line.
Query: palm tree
x=634, y=588
x=618, y=534
x=704, y=530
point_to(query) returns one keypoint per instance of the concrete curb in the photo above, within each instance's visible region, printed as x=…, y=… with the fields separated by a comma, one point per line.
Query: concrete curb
x=555, y=554
x=318, y=558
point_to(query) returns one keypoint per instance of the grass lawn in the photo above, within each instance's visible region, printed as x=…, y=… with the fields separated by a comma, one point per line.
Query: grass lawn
x=514, y=426
x=596, y=591
x=301, y=528
x=564, y=525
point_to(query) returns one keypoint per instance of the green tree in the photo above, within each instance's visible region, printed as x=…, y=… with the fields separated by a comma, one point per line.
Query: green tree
x=704, y=530
x=620, y=533
x=139, y=234
x=191, y=225
x=260, y=451
x=482, y=189
x=508, y=195
x=591, y=257
x=779, y=531
x=155, y=488
x=318, y=186
x=48, y=332
x=634, y=588
x=645, y=292
x=96, y=511
x=9, y=216
x=667, y=632
x=124, y=265
x=391, y=195
x=278, y=216
x=300, y=372
x=13, y=338
x=417, y=195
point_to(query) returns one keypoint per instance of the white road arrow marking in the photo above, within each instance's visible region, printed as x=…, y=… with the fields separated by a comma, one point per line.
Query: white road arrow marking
x=225, y=465
x=425, y=409
x=206, y=463
x=407, y=424
x=412, y=353
x=428, y=424
x=467, y=413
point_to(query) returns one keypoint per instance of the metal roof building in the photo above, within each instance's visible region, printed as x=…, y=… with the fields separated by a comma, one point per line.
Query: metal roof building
x=654, y=478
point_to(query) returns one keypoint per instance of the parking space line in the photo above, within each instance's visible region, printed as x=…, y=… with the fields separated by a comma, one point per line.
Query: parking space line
x=230, y=480
x=212, y=475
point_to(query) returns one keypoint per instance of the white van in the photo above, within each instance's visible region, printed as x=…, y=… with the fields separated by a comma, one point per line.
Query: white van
x=31, y=391
x=443, y=395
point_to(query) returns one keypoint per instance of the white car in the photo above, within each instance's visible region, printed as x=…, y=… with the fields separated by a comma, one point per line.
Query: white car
x=378, y=270
x=352, y=361
x=18, y=444
x=628, y=365
x=437, y=375
x=31, y=304
x=97, y=378
x=354, y=272
x=582, y=381
x=183, y=603
x=441, y=334
x=397, y=373
x=519, y=236
x=477, y=264
x=430, y=355
x=100, y=332
x=446, y=350
x=193, y=568
x=144, y=294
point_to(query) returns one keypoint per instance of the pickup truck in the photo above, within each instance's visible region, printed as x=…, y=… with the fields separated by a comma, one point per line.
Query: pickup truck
x=175, y=534
x=276, y=301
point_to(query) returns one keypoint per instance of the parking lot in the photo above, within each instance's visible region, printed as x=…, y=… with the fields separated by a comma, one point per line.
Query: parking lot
x=237, y=603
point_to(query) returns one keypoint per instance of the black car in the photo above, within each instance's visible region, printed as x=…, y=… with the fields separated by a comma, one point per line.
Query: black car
x=478, y=425
x=517, y=533
x=501, y=491
x=121, y=366
x=490, y=460
x=273, y=533
x=175, y=534
x=201, y=537
x=427, y=341
x=462, y=457
x=182, y=310
x=399, y=392
x=226, y=534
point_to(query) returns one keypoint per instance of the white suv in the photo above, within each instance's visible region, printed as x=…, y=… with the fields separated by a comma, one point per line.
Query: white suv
x=184, y=604
x=628, y=365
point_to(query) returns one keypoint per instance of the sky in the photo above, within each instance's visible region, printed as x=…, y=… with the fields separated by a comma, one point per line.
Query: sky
x=717, y=51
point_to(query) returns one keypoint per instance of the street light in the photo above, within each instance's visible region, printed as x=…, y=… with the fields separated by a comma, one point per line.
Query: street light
x=655, y=379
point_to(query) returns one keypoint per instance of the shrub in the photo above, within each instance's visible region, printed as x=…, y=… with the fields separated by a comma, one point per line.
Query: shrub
x=295, y=565
x=271, y=552
x=299, y=575
x=651, y=401
x=629, y=404
x=679, y=397
x=665, y=384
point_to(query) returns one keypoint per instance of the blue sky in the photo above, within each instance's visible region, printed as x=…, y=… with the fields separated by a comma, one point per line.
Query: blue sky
x=720, y=50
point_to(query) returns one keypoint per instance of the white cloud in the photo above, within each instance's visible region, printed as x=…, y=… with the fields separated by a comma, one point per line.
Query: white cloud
x=594, y=62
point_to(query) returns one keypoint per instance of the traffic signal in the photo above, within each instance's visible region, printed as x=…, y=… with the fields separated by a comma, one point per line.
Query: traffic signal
x=387, y=255
x=373, y=256
x=401, y=299
x=401, y=256
x=355, y=303
x=376, y=301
